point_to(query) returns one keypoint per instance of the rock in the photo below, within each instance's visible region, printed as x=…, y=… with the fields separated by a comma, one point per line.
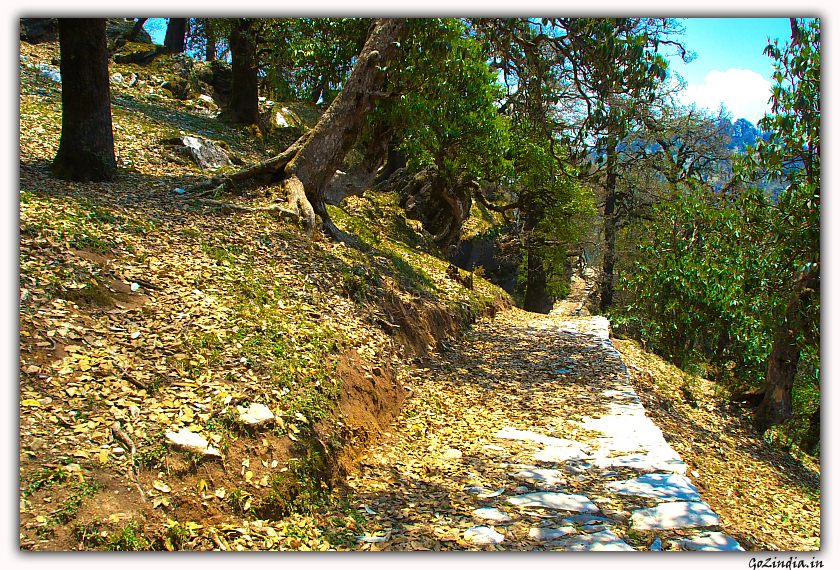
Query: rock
x=204, y=153
x=711, y=541
x=545, y=534
x=207, y=102
x=483, y=535
x=656, y=545
x=555, y=454
x=178, y=87
x=587, y=520
x=492, y=514
x=552, y=476
x=117, y=79
x=547, y=500
x=606, y=540
x=675, y=515
x=255, y=414
x=190, y=441
x=285, y=118
x=666, y=487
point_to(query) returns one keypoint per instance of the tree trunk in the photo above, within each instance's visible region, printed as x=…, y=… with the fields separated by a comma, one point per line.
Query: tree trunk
x=86, y=150
x=334, y=135
x=610, y=228
x=210, y=36
x=244, y=103
x=135, y=31
x=536, y=298
x=776, y=406
x=812, y=436
x=176, y=33
x=306, y=167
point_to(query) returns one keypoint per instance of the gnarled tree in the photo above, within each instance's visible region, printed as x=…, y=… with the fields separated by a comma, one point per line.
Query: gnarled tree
x=305, y=168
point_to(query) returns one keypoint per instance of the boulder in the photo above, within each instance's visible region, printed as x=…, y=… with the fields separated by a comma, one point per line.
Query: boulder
x=204, y=153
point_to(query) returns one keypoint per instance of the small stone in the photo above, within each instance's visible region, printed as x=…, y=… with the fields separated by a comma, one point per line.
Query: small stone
x=255, y=414
x=191, y=442
x=451, y=454
x=483, y=535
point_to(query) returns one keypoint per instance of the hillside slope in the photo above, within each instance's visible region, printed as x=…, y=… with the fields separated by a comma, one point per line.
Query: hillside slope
x=162, y=314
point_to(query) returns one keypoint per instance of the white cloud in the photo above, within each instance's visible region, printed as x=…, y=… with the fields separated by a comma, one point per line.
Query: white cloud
x=744, y=93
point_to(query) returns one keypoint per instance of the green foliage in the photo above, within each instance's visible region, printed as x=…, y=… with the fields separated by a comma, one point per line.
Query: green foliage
x=445, y=113
x=127, y=539
x=700, y=281
x=310, y=58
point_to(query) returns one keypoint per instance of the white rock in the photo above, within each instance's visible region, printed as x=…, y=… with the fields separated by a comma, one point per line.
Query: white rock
x=553, y=476
x=667, y=487
x=547, y=500
x=483, y=535
x=545, y=534
x=280, y=120
x=606, y=540
x=191, y=442
x=558, y=454
x=492, y=514
x=675, y=515
x=255, y=414
x=711, y=541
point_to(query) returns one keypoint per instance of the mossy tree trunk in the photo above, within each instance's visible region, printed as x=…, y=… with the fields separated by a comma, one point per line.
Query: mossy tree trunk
x=86, y=150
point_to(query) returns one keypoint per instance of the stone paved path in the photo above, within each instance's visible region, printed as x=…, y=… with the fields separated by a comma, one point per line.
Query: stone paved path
x=528, y=436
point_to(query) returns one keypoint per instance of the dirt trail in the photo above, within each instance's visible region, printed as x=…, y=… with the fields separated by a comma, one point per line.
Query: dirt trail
x=510, y=410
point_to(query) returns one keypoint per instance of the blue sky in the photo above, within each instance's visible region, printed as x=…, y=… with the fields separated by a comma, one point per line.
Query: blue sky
x=729, y=69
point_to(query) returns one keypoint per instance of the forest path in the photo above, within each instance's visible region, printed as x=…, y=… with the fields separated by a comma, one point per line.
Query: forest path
x=526, y=435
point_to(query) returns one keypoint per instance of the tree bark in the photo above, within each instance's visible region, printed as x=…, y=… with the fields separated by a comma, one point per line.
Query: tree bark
x=812, y=436
x=244, y=103
x=776, y=407
x=210, y=36
x=536, y=298
x=610, y=228
x=334, y=135
x=86, y=150
x=135, y=31
x=176, y=33
x=305, y=174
